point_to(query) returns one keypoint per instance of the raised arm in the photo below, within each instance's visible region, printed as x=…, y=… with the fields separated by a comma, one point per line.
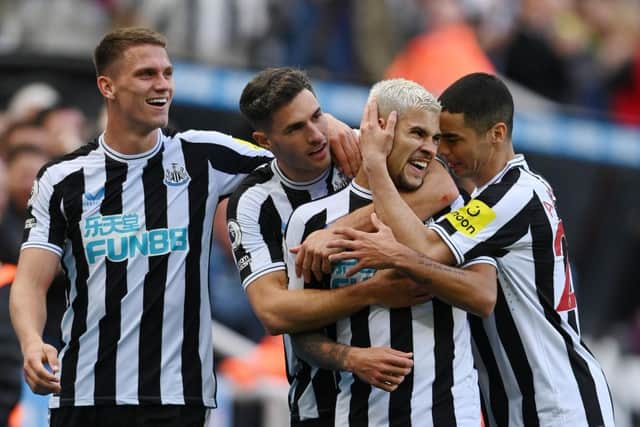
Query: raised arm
x=390, y=206
x=382, y=367
x=36, y=269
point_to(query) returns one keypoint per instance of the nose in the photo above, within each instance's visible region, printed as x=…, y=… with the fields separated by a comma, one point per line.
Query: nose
x=163, y=83
x=430, y=146
x=315, y=135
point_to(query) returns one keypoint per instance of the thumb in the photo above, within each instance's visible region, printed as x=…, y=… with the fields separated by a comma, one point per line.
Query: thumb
x=51, y=356
x=295, y=249
x=376, y=221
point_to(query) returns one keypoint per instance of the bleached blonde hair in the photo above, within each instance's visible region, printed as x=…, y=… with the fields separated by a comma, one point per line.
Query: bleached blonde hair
x=401, y=95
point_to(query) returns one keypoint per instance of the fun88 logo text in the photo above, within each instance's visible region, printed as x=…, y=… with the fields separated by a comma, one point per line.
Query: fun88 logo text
x=339, y=277
x=120, y=237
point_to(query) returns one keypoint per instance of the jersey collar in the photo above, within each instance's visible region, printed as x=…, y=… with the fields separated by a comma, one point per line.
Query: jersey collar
x=298, y=184
x=517, y=161
x=131, y=157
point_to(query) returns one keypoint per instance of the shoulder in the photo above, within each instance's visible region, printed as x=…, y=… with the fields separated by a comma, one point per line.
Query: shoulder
x=211, y=137
x=58, y=168
x=256, y=186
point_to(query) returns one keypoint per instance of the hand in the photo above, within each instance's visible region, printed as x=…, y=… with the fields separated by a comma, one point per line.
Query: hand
x=345, y=149
x=40, y=380
x=372, y=250
x=382, y=367
x=312, y=255
x=376, y=138
x=395, y=290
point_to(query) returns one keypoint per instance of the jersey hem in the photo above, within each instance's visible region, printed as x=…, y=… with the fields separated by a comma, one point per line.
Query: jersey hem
x=270, y=269
x=447, y=240
x=51, y=248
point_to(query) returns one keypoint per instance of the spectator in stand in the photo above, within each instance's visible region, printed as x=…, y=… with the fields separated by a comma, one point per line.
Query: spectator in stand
x=449, y=41
x=23, y=163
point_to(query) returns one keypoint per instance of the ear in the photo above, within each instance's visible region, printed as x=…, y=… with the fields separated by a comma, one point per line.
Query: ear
x=261, y=139
x=498, y=132
x=382, y=122
x=106, y=88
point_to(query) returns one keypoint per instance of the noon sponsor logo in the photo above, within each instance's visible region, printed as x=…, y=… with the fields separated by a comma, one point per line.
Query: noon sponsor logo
x=471, y=218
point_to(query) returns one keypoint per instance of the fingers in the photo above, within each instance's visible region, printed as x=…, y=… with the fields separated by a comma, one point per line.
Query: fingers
x=40, y=379
x=370, y=114
x=340, y=156
x=341, y=256
x=51, y=356
x=391, y=122
x=316, y=266
x=352, y=152
x=353, y=270
x=376, y=221
x=326, y=265
x=300, y=256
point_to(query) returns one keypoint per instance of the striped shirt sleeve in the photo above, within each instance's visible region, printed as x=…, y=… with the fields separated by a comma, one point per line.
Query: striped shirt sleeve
x=469, y=227
x=45, y=224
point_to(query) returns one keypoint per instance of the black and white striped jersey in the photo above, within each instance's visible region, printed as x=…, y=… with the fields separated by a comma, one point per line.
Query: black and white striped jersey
x=133, y=233
x=258, y=213
x=442, y=389
x=534, y=368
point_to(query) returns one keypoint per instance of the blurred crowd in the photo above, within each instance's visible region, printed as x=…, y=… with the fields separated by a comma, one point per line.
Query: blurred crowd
x=584, y=53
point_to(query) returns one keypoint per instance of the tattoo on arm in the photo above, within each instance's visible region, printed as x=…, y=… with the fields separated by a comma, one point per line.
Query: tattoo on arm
x=427, y=262
x=319, y=350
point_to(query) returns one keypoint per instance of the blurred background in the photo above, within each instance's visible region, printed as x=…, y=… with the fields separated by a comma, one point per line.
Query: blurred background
x=573, y=66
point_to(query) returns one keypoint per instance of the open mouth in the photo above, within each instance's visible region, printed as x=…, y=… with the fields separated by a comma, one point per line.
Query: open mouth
x=318, y=150
x=158, y=102
x=419, y=164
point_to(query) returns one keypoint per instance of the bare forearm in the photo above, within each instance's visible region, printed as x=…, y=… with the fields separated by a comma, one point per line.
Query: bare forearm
x=394, y=211
x=291, y=311
x=464, y=288
x=318, y=350
x=28, y=313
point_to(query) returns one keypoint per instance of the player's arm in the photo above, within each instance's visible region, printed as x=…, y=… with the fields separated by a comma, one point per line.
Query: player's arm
x=36, y=270
x=283, y=310
x=382, y=367
x=436, y=193
x=473, y=288
x=377, y=140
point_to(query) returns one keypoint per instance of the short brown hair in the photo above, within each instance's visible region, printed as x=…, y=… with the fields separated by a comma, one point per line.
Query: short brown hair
x=117, y=41
x=268, y=91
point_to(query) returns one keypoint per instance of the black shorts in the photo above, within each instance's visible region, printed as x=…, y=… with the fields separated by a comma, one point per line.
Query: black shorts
x=128, y=416
x=326, y=420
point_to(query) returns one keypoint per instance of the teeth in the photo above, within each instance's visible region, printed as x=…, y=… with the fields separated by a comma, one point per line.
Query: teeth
x=419, y=164
x=157, y=101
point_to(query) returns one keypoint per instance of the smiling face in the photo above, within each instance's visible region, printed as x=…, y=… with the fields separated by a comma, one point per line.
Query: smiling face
x=413, y=147
x=139, y=88
x=298, y=138
x=467, y=151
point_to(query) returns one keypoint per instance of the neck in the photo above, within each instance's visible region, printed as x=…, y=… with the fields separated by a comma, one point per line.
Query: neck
x=126, y=141
x=494, y=165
